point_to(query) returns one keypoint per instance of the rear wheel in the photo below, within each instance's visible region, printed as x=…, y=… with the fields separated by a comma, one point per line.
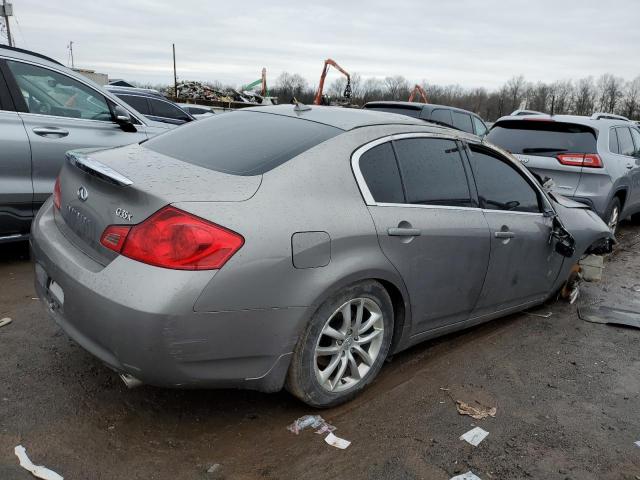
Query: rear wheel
x=612, y=216
x=343, y=347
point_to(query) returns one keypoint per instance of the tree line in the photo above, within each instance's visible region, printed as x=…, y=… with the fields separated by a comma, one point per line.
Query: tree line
x=608, y=93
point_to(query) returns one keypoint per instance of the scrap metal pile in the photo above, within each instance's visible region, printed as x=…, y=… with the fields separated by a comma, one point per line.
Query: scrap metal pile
x=200, y=91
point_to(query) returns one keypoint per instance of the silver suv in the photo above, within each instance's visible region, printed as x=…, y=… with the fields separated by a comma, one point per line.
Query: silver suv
x=45, y=110
x=593, y=160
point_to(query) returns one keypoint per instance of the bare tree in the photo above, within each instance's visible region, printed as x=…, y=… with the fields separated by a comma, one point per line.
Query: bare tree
x=561, y=97
x=515, y=87
x=631, y=99
x=609, y=92
x=584, y=97
x=397, y=87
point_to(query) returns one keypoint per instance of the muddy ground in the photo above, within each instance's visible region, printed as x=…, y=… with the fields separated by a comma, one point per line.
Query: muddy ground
x=567, y=394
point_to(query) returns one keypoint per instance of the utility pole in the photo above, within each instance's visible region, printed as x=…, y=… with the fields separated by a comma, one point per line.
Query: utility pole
x=7, y=11
x=70, y=47
x=175, y=75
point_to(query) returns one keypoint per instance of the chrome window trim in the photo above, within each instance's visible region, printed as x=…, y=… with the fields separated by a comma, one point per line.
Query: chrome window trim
x=370, y=201
x=104, y=93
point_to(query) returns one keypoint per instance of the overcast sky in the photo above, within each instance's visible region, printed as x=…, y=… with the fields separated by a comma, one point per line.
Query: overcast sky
x=470, y=42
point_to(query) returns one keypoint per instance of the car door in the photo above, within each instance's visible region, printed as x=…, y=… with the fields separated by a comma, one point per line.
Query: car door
x=634, y=172
x=16, y=189
x=59, y=114
x=524, y=264
x=427, y=224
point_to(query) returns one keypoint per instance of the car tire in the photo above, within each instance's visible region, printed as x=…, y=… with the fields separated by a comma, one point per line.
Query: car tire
x=329, y=358
x=612, y=215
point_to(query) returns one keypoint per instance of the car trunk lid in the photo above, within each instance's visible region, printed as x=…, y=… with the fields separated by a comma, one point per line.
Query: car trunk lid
x=126, y=185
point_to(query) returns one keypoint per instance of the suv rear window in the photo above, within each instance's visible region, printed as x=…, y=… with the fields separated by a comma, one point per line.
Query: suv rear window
x=241, y=143
x=543, y=138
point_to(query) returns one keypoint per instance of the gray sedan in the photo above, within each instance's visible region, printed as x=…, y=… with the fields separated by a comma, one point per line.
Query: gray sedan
x=295, y=246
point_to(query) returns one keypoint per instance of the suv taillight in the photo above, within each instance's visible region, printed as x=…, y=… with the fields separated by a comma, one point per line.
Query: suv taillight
x=172, y=238
x=57, y=195
x=591, y=160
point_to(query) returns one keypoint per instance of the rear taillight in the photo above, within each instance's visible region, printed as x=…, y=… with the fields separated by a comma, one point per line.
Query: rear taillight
x=172, y=238
x=590, y=160
x=57, y=196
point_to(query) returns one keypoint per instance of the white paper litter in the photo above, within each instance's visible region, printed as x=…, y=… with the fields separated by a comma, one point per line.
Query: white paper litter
x=474, y=436
x=337, y=442
x=466, y=476
x=37, y=470
x=637, y=443
x=5, y=321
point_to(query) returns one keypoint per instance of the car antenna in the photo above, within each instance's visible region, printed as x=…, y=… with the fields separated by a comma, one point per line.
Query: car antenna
x=299, y=106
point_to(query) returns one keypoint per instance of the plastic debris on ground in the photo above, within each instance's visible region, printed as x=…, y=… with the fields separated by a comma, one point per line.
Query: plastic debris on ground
x=478, y=412
x=541, y=315
x=475, y=436
x=637, y=443
x=337, y=442
x=314, y=421
x=36, y=470
x=466, y=476
x=5, y=321
x=609, y=315
x=214, y=468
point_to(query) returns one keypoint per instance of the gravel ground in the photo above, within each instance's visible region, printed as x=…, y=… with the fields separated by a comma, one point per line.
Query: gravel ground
x=567, y=394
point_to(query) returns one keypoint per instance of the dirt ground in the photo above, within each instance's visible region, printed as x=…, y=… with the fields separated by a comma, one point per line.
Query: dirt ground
x=567, y=394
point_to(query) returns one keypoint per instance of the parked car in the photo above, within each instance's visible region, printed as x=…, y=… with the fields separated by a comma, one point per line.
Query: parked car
x=593, y=160
x=152, y=104
x=440, y=114
x=313, y=244
x=45, y=110
x=198, y=111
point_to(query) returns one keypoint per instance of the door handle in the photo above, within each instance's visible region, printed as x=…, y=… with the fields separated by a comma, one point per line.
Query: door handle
x=504, y=234
x=47, y=131
x=403, y=232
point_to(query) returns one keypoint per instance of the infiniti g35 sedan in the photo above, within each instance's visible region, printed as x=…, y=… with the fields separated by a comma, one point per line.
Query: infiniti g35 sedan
x=295, y=246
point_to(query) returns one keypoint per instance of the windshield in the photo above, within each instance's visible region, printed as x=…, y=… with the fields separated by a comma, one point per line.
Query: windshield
x=543, y=138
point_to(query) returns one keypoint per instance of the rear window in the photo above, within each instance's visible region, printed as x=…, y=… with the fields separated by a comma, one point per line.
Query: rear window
x=241, y=143
x=543, y=138
x=409, y=112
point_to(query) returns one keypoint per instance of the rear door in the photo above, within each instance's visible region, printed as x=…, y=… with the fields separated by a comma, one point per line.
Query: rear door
x=428, y=225
x=16, y=189
x=523, y=263
x=539, y=145
x=634, y=172
x=59, y=114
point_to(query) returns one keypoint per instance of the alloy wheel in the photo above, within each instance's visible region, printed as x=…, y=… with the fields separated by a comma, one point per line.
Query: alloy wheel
x=349, y=344
x=613, y=219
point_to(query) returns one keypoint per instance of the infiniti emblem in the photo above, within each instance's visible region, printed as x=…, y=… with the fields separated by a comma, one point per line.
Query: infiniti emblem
x=83, y=193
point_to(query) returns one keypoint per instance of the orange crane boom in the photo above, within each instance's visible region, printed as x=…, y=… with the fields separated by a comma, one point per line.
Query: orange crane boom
x=420, y=90
x=327, y=63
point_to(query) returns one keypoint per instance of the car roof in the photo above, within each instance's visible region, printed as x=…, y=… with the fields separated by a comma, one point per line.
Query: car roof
x=339, y=117
x=145, y=92
x=22, y=54
x=415, y=106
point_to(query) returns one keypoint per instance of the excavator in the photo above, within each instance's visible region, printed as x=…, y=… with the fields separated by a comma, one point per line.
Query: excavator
x=347, y=89
x=261, y=81
x=418, y=89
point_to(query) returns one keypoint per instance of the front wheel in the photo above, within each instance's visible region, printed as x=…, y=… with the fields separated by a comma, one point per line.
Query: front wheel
x=343, y=347
x=612, y=215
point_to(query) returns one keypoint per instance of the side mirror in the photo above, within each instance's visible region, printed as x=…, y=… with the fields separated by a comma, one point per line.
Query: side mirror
x=123, y=118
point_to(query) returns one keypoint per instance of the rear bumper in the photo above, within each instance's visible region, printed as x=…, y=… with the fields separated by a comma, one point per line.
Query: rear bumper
x=139, y=320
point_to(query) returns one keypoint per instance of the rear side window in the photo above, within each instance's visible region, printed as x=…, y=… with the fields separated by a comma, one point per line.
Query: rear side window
x=380, y=170
x=441, y=115
x=433, y=172
x=241, y=143
x=462, y=121
x=636, y=140
x=501, y=186
x=160, y=108
x=481, y=128
x=138, y=103
x=613, y=141
x=543, y=138
x=624, y=141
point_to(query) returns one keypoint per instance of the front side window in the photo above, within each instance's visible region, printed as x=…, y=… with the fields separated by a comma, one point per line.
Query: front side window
x=636, y=140
x=380, y=171
x=160, y=108
x=433, y=172
x=625, y=142
x=46, y=92
x=501, y=186
x=462, y=121
x=481, y=128
x=137, y=102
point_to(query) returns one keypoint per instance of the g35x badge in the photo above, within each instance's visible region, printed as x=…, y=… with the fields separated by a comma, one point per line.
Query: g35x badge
x=122, y=213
